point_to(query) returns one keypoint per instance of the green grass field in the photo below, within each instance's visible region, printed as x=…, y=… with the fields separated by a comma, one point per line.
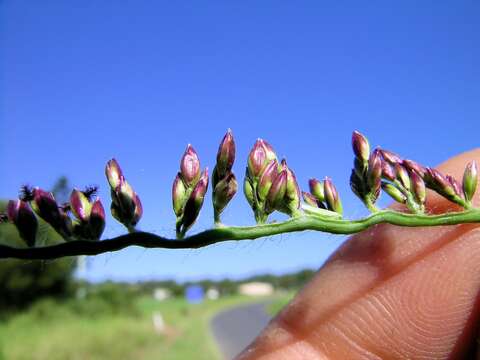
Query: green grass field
x=52, y=331
x=280, y=302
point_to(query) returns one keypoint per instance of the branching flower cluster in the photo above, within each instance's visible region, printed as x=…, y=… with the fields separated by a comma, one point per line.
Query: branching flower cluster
x=269, y=185
x=405, y=180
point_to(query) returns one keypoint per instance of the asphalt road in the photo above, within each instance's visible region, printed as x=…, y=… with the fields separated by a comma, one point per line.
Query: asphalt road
x=235, y=328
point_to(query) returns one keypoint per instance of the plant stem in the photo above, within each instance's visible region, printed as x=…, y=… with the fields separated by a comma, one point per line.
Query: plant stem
x=225, y=233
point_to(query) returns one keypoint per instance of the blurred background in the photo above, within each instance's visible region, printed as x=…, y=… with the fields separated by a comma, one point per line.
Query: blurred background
x=82, y=82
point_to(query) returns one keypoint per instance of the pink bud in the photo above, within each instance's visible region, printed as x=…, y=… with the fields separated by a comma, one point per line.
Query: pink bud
x=224, y=191
x=190, y=166
x=97, y=220
x=309, y=199
x=277, y=192
x=113, y=173
x=138, y=210
x=418, y=186
x=316, y=188
x=20, y=214
x=225, y=155
x=266, y=179
x=260, y=155
x=414, y=166
x=438, y=182
x=46, y=207
x=456, y=186
x=388, y=172
x=195, y=201
x=292, y=193
x=80, y=205
x=331, y=196
x=390, y=157
x=360, y=146
x=374, y=170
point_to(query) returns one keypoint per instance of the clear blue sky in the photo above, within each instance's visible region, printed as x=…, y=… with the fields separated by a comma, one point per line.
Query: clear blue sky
x=81, y=82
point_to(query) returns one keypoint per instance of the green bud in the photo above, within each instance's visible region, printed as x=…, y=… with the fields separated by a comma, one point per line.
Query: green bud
x=179, y=195
x=402, y=176
x=470, y=180
x=316, y=189
x=248, y=190
x=394, y=192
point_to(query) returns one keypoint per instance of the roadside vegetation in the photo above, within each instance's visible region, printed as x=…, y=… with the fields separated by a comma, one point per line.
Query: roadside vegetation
x=97, y=329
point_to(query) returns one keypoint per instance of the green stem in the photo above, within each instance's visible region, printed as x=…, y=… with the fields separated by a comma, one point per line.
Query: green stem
x=370, y=205
x=220, y=234
x=216, y=217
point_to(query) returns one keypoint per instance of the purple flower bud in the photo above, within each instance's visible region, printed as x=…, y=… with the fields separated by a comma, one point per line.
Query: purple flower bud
x=266, y=179
x=316, y=189
x=418, y=186
x=277, y=192
x=374, y=173
x=388, y=171
x=260, y=155
x=96, y=222
x=126, y=205
x=224, y=192
x=455, y=185
x=394, y=192
x=411, y=165
x=46, y=207
x=190, y=166
x=113, y=173
x=438, y=182
x=125, y=195
x=331, y=196
x=138, y=210
x=309, y=199
x=360, y=146
x=20, y=214
x=292, y=192
x=390, y=157
x=225, y=155
x=195, y=201
x=470, y=180
x=402, y=176
x=80, y=205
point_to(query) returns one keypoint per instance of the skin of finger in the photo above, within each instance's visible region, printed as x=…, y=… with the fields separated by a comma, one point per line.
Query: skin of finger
x=374, y=298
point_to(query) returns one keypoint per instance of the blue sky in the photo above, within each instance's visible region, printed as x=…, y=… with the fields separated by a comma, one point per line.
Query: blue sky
x=81, y=82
